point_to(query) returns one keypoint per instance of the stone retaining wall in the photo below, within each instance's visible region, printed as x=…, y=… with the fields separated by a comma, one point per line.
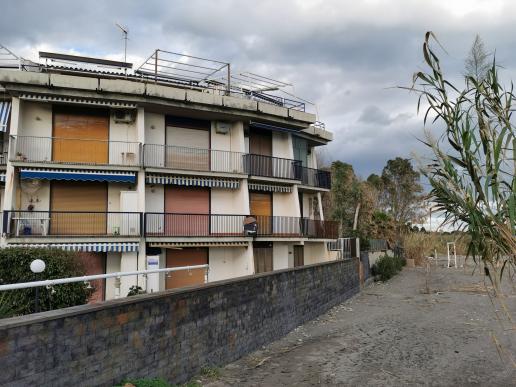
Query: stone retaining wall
x=169, y=334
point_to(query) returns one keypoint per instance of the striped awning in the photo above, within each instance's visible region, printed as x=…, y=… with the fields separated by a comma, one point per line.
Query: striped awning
x=193, y=181
x=78, y=100
x=176, y=245
x=5, y=112
x=2, y=177
x=98, y=247
x=269, y=187
x=77, y=175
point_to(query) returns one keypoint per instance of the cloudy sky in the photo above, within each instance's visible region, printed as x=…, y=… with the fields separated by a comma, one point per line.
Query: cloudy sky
x=346, y=56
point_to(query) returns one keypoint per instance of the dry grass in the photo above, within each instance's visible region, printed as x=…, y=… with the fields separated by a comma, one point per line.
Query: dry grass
x=418, y=246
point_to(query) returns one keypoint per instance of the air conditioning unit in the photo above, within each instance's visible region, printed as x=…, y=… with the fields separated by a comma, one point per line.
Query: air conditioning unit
x=222, y=127
x=124, y=116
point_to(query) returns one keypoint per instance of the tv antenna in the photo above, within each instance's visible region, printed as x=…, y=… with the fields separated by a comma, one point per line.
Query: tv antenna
x=125, y=31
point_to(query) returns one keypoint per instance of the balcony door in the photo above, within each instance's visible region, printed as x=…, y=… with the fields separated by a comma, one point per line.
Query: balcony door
x=81, y=136
x=260, y=149
x=187, y=211
x=263, y=260
x=78, y=208
x=188, y=144
x=260, y=204
x=186, y=257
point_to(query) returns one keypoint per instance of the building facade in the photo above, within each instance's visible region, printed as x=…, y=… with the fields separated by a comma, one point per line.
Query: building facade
x=141, y=172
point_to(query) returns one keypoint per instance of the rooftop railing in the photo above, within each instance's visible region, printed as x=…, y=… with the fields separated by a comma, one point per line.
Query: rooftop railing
x=192, y=159
x=32, y=149
x=71, y=223
x=213, y=225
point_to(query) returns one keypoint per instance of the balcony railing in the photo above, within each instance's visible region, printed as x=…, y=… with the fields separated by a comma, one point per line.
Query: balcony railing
x=268, y=166
x=58, y=150
x=192, y=159
x=211, y=225
x=315, y=178
x=67, y=223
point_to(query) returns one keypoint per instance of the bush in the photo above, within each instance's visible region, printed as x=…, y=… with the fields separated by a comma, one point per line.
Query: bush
x=15, y=267
x=386, y=267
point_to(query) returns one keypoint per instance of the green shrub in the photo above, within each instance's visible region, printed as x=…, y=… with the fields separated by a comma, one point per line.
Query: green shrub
x=387, y=266
x=15, y=267
x=145, y=382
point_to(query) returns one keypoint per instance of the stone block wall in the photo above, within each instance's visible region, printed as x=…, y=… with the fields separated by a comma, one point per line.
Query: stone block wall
x=169, y=334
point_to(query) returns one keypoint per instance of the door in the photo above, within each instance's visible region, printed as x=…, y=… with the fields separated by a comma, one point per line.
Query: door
x=81, y=137
x=188, y=144
x=262, y=252
x=260, y=204
x=187, y=211
x=94, y=263
x=260, y=149
x=78, y=208
x=299, y=255
x=186, y=257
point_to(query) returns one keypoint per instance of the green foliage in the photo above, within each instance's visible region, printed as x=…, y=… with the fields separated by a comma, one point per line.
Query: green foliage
x=210, y=372
x=135, y=290
x=145, y=382
x=401, y=190
x=344, y=195
x=387, y=266
x=15, y=267
x=472, y=171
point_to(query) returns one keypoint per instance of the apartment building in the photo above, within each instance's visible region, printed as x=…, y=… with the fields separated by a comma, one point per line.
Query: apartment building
x=147, y=168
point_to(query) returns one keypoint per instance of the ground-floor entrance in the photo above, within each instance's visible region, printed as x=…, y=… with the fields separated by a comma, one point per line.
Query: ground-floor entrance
x=186, y=257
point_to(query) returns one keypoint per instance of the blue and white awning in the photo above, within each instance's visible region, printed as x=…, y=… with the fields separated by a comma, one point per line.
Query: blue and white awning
x=78, y=175
x=269, y=187
x=193, y=181
x=96, y=247
x=5, y=112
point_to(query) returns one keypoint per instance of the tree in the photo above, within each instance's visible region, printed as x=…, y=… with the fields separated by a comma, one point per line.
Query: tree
x=15, y=268
x=344, y=196
x=401, y=190
x=472, y=170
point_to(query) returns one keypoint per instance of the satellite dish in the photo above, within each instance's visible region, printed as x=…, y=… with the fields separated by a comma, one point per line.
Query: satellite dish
x=30, y=186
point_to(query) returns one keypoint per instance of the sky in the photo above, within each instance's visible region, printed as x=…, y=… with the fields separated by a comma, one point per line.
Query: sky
x=348, y=57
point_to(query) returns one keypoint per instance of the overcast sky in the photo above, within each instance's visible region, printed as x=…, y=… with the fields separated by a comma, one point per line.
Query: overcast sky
x=346, y=56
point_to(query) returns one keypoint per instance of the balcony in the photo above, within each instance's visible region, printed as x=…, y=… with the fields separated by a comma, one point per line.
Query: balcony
x=315, y=178
x=25, y=224
x=55, y=150
x=192, y=159
x=275, y=167
x=211, y=225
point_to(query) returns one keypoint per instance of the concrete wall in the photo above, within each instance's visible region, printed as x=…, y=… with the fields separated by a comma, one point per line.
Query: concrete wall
x=315, y=252
x=282, y=145
x=170, y=334
x=229, y=262
x=281, y=252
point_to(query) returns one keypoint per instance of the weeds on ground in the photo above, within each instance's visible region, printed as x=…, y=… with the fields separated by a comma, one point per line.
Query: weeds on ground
x=387, y=266
x=210, y=372
x=155, y=382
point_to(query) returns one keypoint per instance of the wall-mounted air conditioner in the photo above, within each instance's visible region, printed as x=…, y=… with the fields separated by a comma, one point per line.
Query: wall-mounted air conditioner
x=222, y=127
x=122, y=116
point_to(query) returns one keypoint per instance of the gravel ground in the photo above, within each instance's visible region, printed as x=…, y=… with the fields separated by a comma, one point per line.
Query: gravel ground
x=393, y=334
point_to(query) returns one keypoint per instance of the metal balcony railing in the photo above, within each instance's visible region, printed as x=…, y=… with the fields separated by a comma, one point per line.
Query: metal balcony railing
x=268, y=166
x=32, y=149
x=192, y=159
x=213, y=225
x=315, y=178
x=68, y=223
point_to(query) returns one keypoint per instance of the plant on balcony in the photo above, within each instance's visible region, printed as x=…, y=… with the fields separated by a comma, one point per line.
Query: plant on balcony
x=15, y=267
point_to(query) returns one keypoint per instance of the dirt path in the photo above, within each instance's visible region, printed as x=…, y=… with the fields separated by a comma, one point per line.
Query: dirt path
x=391, y=334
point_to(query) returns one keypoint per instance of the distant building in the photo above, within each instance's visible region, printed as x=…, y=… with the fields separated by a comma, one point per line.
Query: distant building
x=160, y=168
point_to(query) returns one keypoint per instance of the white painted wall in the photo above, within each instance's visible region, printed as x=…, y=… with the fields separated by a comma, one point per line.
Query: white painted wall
x=315, y=252
x=232, y=142
x=280, y=255
x=155, y=134
x=282, y=145
x=155, y=202
x=128, y=262
x=123, y=147
x=35, y=120
x=112, y=266
x=39, y=199
x=285, y=204
x=228, y=262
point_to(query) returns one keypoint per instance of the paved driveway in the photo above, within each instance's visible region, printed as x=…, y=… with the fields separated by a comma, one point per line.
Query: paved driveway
x=394, y=334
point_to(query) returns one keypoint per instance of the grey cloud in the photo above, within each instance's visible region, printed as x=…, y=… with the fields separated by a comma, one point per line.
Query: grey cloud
x=347, y=57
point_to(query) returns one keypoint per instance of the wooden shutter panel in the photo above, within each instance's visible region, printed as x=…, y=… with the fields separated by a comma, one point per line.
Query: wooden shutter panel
x=186, y=257
x=194, y=203
x=74, y=197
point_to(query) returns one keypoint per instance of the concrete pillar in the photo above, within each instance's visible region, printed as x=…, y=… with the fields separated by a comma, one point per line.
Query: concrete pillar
x=141, y=263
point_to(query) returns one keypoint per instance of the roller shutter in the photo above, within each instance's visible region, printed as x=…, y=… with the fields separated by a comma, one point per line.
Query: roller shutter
x=187, y=211
x=186, y=257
